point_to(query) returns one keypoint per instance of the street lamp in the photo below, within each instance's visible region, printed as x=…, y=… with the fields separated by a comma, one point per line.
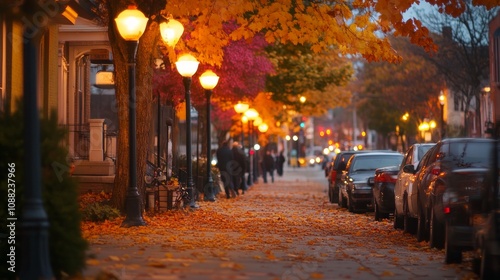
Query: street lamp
x=442, y=100
x=295, y=139
x=263, y=127
x=131, y=24
x=34, y=224
x=171, y=31
x=240, y=108
x=208, y=81
x=488, y=125
x=251, y=114
x=186, y=66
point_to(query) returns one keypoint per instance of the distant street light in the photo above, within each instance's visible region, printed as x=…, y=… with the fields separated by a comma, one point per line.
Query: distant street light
x=131, y=24
x=186, y=66
x=442, y=101
x=251, y=115
x=263, y=127
x=209, y=81
x=240, y=108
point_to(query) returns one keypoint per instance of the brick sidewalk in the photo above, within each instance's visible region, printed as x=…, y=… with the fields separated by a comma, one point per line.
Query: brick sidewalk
x=281, y=230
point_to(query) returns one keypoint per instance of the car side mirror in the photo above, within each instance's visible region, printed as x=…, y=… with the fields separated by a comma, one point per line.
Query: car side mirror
x=371, y=181
x=409, y=168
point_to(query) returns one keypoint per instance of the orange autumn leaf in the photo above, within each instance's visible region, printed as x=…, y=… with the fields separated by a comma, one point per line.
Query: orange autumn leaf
x=316, y=275
x=92, y=262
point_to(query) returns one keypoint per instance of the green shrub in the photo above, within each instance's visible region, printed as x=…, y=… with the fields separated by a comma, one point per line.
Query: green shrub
x=59, y=194
x=99, y=212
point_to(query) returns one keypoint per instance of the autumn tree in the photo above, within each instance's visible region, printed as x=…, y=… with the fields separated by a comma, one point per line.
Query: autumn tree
x=462, y=56
x=387, y=91
x=319, y=77
x=242, y=76
x=353, y=27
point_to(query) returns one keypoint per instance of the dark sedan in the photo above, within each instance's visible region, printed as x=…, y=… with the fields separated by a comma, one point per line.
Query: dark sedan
x=335, y=172
x=354, y=186
x=383, y=191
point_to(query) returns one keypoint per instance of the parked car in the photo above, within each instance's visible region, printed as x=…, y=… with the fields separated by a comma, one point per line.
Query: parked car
x=354, y=188
x=487, y=245
x=487, y=232
x=383, y=191
x=335, y=172
x=404, y=186
x=450, y=182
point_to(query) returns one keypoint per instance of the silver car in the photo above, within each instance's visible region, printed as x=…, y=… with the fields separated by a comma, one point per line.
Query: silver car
x=404, y=188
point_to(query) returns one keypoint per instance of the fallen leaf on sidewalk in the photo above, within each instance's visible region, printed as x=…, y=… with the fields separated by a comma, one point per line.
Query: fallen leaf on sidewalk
x=316, y=275
x=157, y=264
x=92, y=262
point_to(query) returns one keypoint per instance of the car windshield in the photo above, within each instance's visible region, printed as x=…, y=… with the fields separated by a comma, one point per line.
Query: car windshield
x=367, y=163
x=422, y=150
x=465, y=154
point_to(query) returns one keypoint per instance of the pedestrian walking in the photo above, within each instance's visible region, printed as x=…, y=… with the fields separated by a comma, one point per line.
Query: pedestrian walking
x=268, y=166
x=225, y=160
x=280, y=161
x=240, y=168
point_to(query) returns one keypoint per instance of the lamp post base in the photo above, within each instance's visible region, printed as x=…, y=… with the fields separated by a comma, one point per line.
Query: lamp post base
x=133, y=211
x=209, y=191
x=191, y=200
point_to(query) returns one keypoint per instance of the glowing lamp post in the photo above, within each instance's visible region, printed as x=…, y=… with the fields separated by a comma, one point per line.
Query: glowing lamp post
x=186, y=66
x=263, y=127
x=251, y=115
x=171, y=31
x=208, y=81
x=240, y=108
x=442, y=100
x=131, y=24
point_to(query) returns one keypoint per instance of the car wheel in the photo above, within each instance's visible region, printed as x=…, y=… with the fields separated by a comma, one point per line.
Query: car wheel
x=489, y=268
x=409, y=225
x=378, y=216
x=335, y=195
x=436, y=238
x=398, y=220
x=342, y=202
x=350, y=204
x=421, y=225
x=452, y=254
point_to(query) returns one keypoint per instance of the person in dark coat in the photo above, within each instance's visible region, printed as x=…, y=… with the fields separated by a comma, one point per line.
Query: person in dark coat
x=280, y=161
x=225, y=162
x=268, y=166
x=240, y=168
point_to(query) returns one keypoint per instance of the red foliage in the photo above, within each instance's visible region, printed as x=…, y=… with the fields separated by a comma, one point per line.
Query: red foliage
x=242, y=75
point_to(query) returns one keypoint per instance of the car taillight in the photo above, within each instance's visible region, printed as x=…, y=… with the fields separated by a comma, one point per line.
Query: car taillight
x=436, y=171
x=446, y=210
x=386, y=178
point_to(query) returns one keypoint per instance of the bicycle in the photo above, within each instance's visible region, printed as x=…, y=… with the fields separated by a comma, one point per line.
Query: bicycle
x=154, y=178
x=182, y=197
